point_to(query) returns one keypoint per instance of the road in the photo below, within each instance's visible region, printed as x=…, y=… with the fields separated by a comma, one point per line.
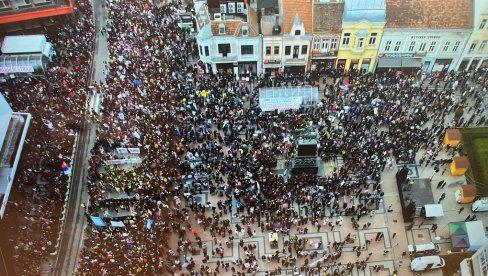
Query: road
x=72, y=238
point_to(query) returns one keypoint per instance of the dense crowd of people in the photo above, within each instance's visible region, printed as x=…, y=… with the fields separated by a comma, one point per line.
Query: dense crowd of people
x=205, y=133
x=56, y=103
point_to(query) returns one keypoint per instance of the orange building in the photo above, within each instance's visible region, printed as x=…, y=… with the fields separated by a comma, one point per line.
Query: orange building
x=29, y=14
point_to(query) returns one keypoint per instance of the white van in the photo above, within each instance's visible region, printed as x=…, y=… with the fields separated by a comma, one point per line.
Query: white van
x=427, y=262
x=424, y=249
x=480, y=205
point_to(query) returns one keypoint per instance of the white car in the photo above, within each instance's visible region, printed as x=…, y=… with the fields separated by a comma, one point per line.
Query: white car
x=427, y=262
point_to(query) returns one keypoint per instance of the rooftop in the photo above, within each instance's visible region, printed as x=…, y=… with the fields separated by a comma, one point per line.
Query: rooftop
x=328, y=17
x=293, y=7
x=451, y=14
x=370, y=10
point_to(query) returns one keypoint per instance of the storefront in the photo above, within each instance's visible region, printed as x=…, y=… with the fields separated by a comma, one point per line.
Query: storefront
x=441, y=65
x=246, y=69
x=225, y=68
x=406, y=63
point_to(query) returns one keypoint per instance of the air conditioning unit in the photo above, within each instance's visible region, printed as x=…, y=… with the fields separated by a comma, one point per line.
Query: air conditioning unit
x=217, y=17
x=240, y=7
x=223, y=8
x=232, y=7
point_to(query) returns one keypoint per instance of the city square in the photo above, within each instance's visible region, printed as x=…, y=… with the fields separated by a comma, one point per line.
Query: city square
x=302, y=137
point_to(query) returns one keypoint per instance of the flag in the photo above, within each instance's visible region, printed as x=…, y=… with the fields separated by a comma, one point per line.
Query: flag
x=64, y=166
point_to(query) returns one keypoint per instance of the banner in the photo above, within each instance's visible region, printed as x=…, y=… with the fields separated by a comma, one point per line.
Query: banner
x=134, y=150
x=122, y=151
x=282, y=103
x=16, y=69
x=117, y=223
x=98, y=221
x=123, y=161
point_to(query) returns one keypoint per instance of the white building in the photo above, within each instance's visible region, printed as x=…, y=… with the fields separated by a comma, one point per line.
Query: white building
x=286, y=27
x=475, y=54
x=477, y=265
x=431, y=37
x=13, y=131
x=228, y=37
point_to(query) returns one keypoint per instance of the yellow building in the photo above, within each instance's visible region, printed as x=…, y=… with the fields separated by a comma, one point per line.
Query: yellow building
x=362, y=28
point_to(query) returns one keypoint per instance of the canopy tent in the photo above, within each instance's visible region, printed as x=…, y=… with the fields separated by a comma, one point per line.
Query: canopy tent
x=460, y=241
x=459, y=165
x=452, y=137
x=433, y=210
x=466, y=193
x=457, y=228
x=476, y=234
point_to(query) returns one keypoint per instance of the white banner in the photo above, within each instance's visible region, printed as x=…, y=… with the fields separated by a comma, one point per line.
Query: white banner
x=123, y=161
x=16, y=69
x=134, y=150
x=122, y=151
x=282, y=103
x=117, y=223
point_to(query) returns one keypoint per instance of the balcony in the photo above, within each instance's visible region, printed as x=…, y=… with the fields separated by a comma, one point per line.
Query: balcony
x=229, y=58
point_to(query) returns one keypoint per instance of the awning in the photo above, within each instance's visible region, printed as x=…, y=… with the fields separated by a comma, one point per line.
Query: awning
x=411, y=62
x=433, y=210
x=389, y=63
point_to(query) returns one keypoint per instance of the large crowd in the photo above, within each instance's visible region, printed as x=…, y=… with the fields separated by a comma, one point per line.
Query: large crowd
x=56, y=103
x=219, y=141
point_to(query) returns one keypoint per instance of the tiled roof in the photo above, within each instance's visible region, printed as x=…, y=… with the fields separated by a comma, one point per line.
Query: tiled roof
x=429, y=14
x=327, y=17
x=304, y=10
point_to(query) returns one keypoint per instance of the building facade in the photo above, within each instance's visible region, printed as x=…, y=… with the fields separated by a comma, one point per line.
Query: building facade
x=286, y=28
x=327, y=25
x=475, y=54
x=413, y=39
x=228, y=37
x=28, y=14
x=362, y=29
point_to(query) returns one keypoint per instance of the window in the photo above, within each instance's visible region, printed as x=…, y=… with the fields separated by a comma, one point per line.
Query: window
x=247, y=50
x=325, y=44
x=397, y=46
x=296, y=50
x=473, y=46
x=224, y=49
x=446, y=46
x=372, y=38
x=483, y=23
x=412, y=46
x=304, y=49
x=432, y=46
x=333, y=44
x=276, y=50
x=245, y=30
x=201, y=51
x=482, y=46
x=360, y=42
x=4, y=4
x=422, y=46
x=316, y=43
x=298, y=32
x=387, y=46
x=268, y=50
x=287, y=50
x=207, y=53
x=456, y=46
x=346, y=38
x=221, y=28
